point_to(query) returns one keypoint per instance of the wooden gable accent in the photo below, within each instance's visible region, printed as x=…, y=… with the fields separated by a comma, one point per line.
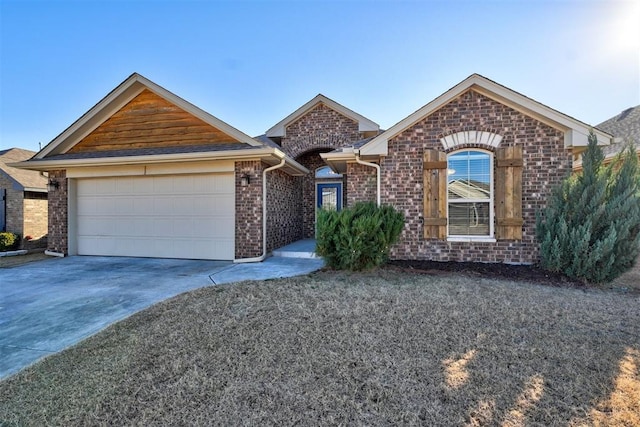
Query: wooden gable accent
x=435, y=194
x=150, y=121
x=508, y=190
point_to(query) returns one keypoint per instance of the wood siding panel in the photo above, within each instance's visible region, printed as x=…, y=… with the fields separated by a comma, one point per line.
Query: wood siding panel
x=509, y=219
x=150, y=121
x=435, y=194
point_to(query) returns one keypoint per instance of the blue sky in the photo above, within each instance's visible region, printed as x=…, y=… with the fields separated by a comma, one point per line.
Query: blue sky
x=251, y=63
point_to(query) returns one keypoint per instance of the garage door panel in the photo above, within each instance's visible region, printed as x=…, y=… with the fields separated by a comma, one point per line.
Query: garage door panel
x=88, y=207
x=143, y=206
x=183, y=216
x=185, y=206
x=141, y=186
x=124, y=206
x=105, y=187
x=94, y=226
x=163, y=184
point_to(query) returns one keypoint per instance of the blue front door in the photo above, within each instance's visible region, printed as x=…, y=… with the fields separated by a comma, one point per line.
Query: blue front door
x=329, y=196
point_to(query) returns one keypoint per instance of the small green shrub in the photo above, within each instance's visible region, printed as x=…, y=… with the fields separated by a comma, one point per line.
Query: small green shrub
x=590, y=229
x=358, y=238
x=8, y=241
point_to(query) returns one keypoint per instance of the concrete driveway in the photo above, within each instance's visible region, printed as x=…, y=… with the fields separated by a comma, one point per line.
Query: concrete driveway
x=49, y=305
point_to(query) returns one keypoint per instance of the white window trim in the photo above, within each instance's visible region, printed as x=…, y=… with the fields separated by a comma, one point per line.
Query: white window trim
x=469, y=238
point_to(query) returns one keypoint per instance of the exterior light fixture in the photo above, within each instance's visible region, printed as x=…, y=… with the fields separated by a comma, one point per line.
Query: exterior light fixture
x=53, y=184
x=245, y=180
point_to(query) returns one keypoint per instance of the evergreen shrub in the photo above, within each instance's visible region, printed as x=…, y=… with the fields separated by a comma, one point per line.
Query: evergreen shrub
x=8, y=241
x=590, y=229
x=358, y=238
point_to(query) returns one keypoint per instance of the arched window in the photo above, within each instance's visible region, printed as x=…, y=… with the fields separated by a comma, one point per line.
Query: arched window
x=470, y=193
x=324, y=172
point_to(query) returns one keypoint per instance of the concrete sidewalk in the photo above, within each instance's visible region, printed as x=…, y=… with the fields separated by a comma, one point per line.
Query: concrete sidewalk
x=49, y=305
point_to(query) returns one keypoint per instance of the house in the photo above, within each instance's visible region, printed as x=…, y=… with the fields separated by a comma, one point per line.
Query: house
x=145, y=173
x=625, y=127
x=23, y=196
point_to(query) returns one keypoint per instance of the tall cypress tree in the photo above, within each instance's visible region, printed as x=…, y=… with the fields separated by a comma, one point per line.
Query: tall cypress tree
x=590, y=229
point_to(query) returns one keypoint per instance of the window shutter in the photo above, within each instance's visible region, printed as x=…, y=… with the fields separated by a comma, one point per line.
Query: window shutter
x=509, y=193
x=435, y=194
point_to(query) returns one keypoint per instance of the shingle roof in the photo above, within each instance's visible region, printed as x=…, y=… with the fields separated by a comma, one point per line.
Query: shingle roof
x=625, y=126
x=267, y=141
x=26, y=179
x=153, y=151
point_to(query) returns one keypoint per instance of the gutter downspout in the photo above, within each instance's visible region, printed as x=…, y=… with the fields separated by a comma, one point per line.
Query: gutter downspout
x=264, y=216
x=373, y=165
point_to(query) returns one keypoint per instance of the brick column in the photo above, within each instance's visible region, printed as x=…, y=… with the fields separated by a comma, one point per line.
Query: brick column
x=58, y=214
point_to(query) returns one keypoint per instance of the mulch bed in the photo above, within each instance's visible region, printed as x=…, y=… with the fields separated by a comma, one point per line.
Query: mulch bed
x=528, y=273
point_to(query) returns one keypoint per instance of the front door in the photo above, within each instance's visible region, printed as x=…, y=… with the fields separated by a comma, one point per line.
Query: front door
x=329, y=196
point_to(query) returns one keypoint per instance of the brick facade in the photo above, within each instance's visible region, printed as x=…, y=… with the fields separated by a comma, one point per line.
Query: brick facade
x=13, y=206
x=361, y=183
x=322, y=128
x=284, y=211
x=57, y=240
x=248, y=210
x=36, y=209
x=26, y=213
x=546, y=162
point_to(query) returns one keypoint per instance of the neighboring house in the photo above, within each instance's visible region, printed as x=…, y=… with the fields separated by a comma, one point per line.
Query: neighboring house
x=145, y=173
x=625, y=127
x=23, y=196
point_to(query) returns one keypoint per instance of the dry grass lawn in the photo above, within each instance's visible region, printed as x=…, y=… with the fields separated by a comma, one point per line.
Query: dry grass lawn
x=382, y=348
x=14, y=261
x=630, y=279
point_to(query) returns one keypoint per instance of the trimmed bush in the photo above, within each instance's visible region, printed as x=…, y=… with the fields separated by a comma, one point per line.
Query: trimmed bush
x=358, y=238
x=590, y=229
x=8, y=241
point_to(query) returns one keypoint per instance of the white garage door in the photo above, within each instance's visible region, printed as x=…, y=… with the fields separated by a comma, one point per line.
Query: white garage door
x=177, y=216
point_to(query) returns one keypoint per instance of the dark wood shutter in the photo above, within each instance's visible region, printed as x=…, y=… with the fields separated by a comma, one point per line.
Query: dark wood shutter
x=435, y=194
x=509, y=193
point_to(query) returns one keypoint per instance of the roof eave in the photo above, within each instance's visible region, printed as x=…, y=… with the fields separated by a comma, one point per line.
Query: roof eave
x=267, y=154
x=36, y=189
x=338, y=160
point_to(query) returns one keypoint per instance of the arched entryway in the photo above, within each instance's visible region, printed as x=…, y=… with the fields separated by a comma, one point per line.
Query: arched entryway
x=314, y=181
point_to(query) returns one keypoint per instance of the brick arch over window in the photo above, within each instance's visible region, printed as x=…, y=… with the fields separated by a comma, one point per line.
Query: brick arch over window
x=471, y=138
x=507, y=193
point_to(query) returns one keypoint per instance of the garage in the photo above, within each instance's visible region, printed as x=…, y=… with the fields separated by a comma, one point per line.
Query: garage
x=189, y=216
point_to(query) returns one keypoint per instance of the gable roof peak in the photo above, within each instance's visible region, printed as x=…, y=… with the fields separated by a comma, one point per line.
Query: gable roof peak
x=126, y=91
x=364, y=124
x=576, y=132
